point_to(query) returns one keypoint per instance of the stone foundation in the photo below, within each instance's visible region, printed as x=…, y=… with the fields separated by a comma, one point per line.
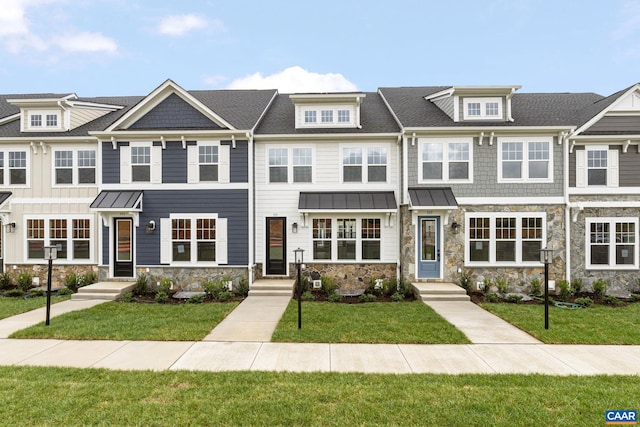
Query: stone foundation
x=58, y=272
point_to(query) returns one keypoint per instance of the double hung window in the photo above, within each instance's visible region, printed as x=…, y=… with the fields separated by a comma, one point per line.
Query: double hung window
x=71, y=236
x=354, y=168
x=290, y=165
x=527, y=160
x=444, y=161
x=612, y=243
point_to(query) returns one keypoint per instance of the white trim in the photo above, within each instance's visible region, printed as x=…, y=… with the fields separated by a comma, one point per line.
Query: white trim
x=69, y=218
x=166, y=240
x=611, y=244
x=364, y=165
x=601, y=114
x=582, y=171
x=75, y=166
x=526, y=161
x=26, y=126
x=7, y=175
x=557, y=200
x=445, y=142
x=483, y=101
x=289, y=165
x=180, y=186
x=52, y=200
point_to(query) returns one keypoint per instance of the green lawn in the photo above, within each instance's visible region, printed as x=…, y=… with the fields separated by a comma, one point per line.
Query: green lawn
x=127, y=321
x=594, y=325
x=12, y=306
x=405, y=322
x=70, y=397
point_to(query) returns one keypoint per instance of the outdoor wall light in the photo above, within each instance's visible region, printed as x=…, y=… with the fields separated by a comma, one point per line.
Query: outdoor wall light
x=11, y=227
x=294, y=227
x=151, y=226
x=455, y=227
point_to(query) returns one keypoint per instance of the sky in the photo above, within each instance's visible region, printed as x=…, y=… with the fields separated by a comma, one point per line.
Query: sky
x=130, y=47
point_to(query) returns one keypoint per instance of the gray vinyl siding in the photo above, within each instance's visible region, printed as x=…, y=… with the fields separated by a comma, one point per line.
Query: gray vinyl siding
x=230, y=204
x=239, y=161
x=174, y=113
x=628, y=172
x=572, y=167
x=111, y=163
x=616, y=125
x=485, y=174
x=174, y=163
x=446, y=105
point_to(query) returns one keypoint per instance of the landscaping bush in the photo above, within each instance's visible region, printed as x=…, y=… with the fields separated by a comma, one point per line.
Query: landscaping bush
x=564, y=289
x=225, y=295
x=491, y=297
x=374, y=288
x=165, y=285
x=5, y=281
x=213, y=288
x=25, y=281
x=634, y=298
x=243, y=288
x=397, y=297
x=196, y=299
x=89, y=279
x=611, y=300
x=405, y=288
x=14, y=293
x=127, y=297
x=585, y=302
x=65, y=291
x=599, y=288
x=161, y=297
x=36, y=293
x=513, y=298
x=334, y=298
x=535, y=288
x=576, y=285
x=390, y=286
x=71, y=282
x=367, y=298
x=486, y=286
x=142, y=285
x=502, y=285
x=466, y=282
x=308, y=296
x=329, y=285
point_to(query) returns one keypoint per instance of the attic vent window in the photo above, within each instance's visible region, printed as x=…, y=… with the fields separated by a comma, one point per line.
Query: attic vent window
x=36, y=120
x=44, y=120
x=482, y=108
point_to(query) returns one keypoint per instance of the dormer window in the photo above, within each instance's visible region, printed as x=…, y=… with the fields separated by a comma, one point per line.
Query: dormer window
x=310, y=116
x=482, y=108
x=36, y=120
x=44, y=120
x=327, y=116
x=344, y=116
x=341, y=110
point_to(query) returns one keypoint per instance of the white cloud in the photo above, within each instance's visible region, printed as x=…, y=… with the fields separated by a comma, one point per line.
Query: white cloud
x=295, y=80
x=18, y=33
x=178, y=25
x=86, y=42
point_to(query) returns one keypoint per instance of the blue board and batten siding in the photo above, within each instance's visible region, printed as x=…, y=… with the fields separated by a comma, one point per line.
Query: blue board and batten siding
x=174, y=113
x=174, y=163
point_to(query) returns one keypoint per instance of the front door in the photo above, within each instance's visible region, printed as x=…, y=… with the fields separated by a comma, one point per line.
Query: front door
x=123, y=250
x=276, y=246
x=429, y=247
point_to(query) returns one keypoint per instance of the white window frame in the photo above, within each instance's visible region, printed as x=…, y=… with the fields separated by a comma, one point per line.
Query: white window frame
x=524, y=178
x=359, y=239
x=290, y=164
x=69, y=239
x=166, y=241
x=445, y=142
x=7, y=170
x=582, y=169
x=43, y=120
x=193, y=162
x=322, y=113
x=75, y=167
x=126, y=167
x=612, y=243
x=493, y=238
x=483, y=108
x=364, y=163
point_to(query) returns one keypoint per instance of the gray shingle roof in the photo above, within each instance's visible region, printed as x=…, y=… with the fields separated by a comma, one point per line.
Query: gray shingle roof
x=528, y=109
x=241, y=108
x=374, y=117
x=7, y=109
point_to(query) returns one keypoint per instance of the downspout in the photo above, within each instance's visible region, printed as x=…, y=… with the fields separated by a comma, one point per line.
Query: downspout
x=567, y=208
x=67, y=116
x=399, y=151
x=251, y=216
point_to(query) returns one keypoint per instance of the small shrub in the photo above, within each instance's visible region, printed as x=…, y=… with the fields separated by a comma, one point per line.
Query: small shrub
x=36, y=293
x=535, y=288
x=5, y=280
x=196, y=299
x=14, y=293
x=634, y=298
x=502, y=285
x=564, y=289
x=161, y=297
x=375, y=288
x=127, y=297
x=367, y=298
x=165, y=285
x=142, y=285
x=390, y=286
x=405, y=288
x=225, y=295
x=466, y=281
x=513, y=298
x=397, y=297
x=308, y=296
x=611, y=300
x=25, y=281
x=89, y=278
x=213, y=288
x=585, y=302
x=243, y=288
x=334, y=298
x=71, y=282
x=599, y=288
x=65, y=291
x=486, y=286
x=491, y=297
x=329, y=285
x=576, y=285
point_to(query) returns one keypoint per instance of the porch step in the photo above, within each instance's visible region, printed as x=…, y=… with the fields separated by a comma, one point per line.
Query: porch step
x=440, y=291
x=272, y=287
x=111, y=290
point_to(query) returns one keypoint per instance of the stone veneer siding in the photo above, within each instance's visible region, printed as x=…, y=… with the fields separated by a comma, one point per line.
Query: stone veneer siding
x=454, y=246
x=619, y=282
x=347, y=276
x=59, y=272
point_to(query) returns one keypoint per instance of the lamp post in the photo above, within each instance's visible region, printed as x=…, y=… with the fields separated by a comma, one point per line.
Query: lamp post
x=545, y=258
x=299, y=259
x=50, y=253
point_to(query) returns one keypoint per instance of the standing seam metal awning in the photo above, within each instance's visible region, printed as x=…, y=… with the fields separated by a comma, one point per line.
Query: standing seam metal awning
x=341, y=201
x=118, y=200
x=432, y=198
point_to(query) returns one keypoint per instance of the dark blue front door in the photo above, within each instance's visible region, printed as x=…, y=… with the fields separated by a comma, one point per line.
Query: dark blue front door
x=428, y=247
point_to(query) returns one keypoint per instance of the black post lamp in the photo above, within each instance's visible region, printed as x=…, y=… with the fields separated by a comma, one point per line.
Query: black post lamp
x=299, y=259
x=50, y=253
x=545, y=258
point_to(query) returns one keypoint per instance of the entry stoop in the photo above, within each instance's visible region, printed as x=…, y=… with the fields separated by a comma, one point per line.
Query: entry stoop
x=440, y=291
x=103, y=290
x=273, y=287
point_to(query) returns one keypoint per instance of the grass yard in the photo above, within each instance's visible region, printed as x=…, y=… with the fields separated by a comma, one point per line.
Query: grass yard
x=69, y=397
x=403, y=322
x=126, y=321
x=594, y=325
x=12, y=306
